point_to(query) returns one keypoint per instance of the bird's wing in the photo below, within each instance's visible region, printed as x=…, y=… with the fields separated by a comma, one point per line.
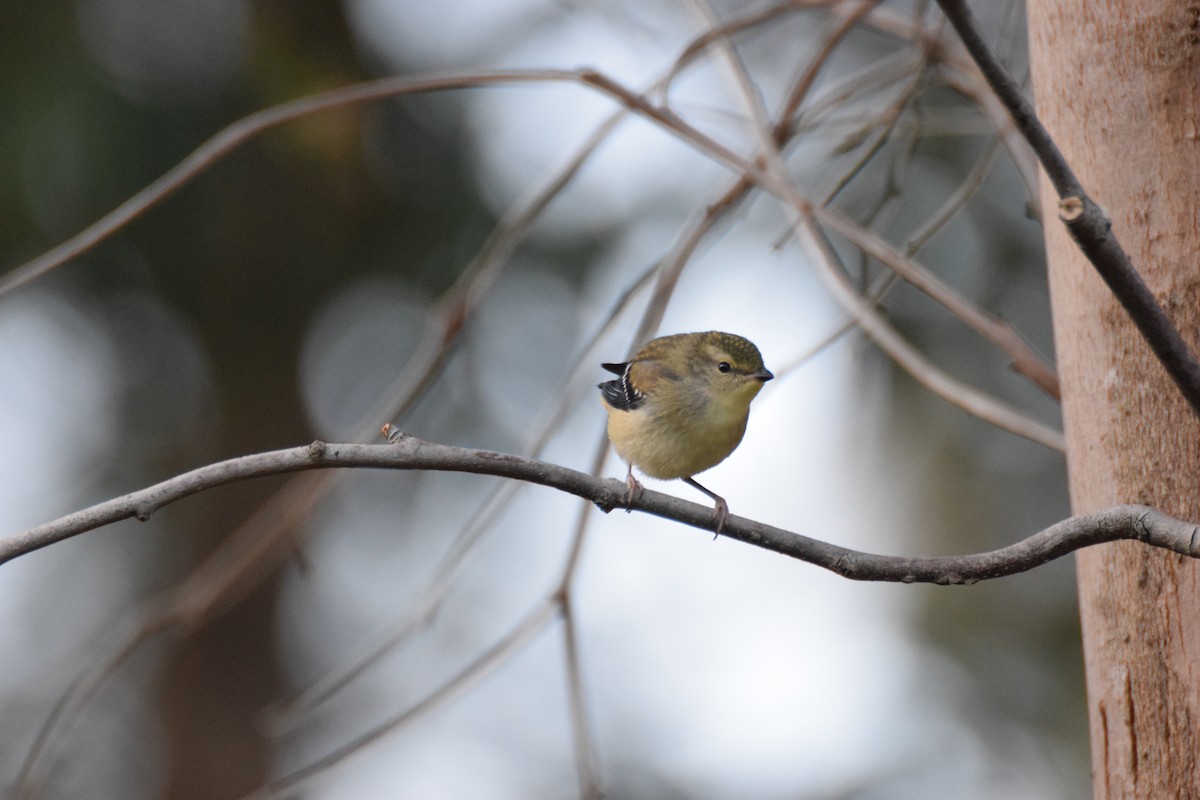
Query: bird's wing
x=620, y=394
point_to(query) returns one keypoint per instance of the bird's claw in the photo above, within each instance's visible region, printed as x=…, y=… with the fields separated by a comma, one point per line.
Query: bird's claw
x=720, y=515
x=634, y=492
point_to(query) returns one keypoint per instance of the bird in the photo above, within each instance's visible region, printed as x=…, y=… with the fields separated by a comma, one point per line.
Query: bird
x=680, y=407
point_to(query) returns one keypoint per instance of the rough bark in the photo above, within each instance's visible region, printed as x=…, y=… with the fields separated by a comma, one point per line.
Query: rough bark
x=1118, y=85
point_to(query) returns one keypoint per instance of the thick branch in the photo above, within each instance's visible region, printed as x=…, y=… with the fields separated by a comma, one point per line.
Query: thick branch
x=407, y=453
x=1087, y=223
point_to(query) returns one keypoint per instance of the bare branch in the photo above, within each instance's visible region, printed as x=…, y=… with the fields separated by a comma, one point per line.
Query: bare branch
x=581, y=729
x=1138, y=523
x=1024, y=358
x=239, y=132
x=536, y=621
x=1087, y=223
x=231, y=137
x=864, y=313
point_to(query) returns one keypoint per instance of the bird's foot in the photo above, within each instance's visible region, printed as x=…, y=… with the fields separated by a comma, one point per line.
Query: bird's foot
x=634, y=492
x=720, y=510
x=720, y=515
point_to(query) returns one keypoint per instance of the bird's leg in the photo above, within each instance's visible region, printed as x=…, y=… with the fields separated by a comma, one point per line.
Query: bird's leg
x=720, y=510
x=635, y=490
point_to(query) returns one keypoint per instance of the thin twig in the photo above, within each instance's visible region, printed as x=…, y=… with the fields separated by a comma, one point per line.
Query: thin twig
x=522, y=634
x=586, y=760
x=1024, y=358
x=875, y=294
x=955, y=202
x=804, y=83
x=31, y=776
x=238, y=133
x=909, y=357
x=416, y=618
x=581, y=730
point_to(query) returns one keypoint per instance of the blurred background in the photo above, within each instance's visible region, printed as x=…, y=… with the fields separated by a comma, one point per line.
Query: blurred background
x=291, y=291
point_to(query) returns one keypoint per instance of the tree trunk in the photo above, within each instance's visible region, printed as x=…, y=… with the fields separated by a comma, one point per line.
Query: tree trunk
x=1118, y=85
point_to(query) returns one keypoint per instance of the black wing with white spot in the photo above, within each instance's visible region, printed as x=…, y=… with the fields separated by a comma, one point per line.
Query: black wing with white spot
x=620, y=393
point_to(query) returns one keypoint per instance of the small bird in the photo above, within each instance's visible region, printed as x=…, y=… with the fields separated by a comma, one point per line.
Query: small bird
x=680, y=406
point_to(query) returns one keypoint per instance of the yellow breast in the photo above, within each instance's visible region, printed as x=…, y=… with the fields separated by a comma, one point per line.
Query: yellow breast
x=668, y=446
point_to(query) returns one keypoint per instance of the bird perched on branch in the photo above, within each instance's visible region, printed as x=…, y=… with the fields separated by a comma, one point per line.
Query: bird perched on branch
x=680, y=406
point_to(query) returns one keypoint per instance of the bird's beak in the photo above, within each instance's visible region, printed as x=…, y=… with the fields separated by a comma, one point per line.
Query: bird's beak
x=763, y=375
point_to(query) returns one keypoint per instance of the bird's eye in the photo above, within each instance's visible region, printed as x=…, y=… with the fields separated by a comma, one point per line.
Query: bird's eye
x=724, y=366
